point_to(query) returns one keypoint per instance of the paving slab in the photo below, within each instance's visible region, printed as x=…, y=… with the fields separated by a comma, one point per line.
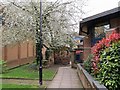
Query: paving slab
x=66, y=78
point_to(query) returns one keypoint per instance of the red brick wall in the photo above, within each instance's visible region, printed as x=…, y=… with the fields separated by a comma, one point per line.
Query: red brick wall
x=18, y=54
x=12, y=52
x=30, y=49
x=23, y=50
x=87, y=46
x=3, y=55
x=114, y=23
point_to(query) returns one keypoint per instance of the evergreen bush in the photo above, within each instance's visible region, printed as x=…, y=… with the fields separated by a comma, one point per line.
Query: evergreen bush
x=106, y=64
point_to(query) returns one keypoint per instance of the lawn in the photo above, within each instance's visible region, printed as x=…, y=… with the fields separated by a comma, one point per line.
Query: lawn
x=28, y=73
x=16, y=87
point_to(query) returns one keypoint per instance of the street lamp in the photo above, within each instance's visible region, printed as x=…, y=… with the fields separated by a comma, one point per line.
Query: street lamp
x=40, y=45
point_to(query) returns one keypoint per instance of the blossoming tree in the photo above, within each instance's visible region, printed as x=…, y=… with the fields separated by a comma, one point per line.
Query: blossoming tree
x=22, y=21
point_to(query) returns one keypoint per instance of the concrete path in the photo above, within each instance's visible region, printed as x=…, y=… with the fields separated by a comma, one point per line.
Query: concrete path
x=66, y=78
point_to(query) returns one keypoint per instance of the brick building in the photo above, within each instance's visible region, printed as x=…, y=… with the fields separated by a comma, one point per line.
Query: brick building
x=96, y=27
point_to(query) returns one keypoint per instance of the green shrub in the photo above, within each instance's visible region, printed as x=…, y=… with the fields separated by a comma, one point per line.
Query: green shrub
x=3, y=66
x=109, y=72
x=87, y=64
x=48, y=53
x=106, y=64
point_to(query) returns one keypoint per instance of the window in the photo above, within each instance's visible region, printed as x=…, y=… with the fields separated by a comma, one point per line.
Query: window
x=99, y=32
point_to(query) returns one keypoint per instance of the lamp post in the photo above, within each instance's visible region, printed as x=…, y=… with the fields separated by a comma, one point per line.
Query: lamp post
x=40, y=45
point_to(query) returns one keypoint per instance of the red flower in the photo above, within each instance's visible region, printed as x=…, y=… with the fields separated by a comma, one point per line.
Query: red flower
x=96, y=59
x=107, y=42
x=104, y=43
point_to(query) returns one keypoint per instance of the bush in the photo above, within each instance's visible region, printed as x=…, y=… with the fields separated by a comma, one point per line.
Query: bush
x=48, y=53
x=3, y=66
x=106, y=64
x=87, y=64
x=109, y=72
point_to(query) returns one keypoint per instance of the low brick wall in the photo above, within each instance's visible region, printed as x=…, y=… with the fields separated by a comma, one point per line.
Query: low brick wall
x=87, y=80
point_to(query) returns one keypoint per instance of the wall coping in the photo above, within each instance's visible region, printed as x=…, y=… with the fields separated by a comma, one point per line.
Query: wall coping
x=95, y=84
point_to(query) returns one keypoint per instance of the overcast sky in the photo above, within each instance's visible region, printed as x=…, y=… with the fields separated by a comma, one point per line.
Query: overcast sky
x=95, y=6
x=98, y=6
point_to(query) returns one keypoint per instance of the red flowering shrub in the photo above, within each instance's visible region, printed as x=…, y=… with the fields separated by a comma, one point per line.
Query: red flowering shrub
x=101, y=45
x=106, y=63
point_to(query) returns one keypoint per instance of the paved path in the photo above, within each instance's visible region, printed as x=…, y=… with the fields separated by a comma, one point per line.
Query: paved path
x=66, y=78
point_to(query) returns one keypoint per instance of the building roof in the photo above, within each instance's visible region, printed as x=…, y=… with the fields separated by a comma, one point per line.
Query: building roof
x=114, y=11
x=101, y=17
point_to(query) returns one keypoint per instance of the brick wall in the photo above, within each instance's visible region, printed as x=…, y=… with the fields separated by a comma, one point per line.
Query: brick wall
x=86, y=44
x=18, y=54
x=114, y=24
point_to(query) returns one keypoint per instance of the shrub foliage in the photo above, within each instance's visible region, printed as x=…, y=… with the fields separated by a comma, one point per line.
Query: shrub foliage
x=106, y=64
x=109, y=66
x=3, y=66
x=87, y=64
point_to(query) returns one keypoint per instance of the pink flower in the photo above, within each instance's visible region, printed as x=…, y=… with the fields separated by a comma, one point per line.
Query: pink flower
x=107, y=42
x=94, y=65
x=97, y=58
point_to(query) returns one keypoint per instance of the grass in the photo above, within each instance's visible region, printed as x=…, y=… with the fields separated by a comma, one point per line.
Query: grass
x=16, y=87
x=28, y=73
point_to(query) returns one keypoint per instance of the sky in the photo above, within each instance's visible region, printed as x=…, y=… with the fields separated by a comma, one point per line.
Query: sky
x=97, y=6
